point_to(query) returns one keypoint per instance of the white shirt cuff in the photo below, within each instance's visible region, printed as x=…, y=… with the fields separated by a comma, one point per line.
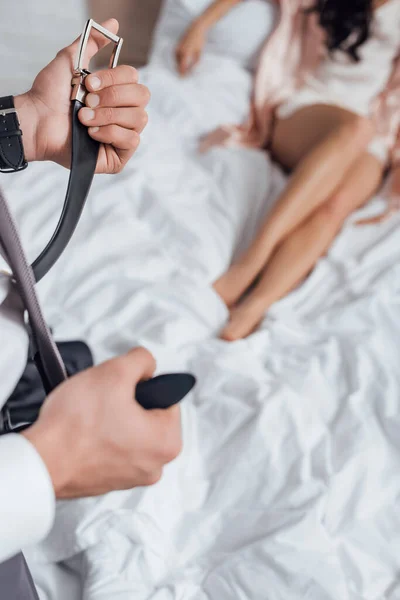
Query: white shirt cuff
x=27, y=499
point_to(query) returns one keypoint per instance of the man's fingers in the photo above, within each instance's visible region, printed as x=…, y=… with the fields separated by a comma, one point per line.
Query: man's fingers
x=133, y=94
x=119, y=137
x=126, y=370
x=167, y=425
x=130, y=118
x=96, y=42
x=103, y=79
x=139, y=363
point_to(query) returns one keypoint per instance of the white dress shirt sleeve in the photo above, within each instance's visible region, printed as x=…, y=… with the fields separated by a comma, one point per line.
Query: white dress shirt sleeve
x=27, y=502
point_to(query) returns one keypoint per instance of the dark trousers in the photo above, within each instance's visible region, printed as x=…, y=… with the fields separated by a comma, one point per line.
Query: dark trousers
x=16, y=581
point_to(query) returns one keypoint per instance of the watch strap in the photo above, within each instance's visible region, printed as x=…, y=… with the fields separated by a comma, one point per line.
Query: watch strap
x=12, y=157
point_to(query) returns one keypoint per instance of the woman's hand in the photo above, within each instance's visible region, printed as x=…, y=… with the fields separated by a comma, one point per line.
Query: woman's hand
x=190, y=48
x=115, y=115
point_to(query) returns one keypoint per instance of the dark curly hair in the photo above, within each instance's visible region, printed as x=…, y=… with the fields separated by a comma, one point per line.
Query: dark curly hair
x=346, y=22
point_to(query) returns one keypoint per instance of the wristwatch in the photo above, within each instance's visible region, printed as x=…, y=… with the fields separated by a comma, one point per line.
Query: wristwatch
x=12, y=157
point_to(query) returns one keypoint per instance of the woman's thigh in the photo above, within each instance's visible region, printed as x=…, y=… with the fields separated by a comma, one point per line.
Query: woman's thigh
x=295, y=136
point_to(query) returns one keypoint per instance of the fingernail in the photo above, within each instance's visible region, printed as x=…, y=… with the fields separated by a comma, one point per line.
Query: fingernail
x=87, y=114
x=95, y=82
x=93, y=129
x=92, y=100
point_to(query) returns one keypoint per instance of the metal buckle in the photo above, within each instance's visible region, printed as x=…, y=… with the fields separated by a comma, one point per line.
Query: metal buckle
x=79, y=91
x=7, y=111
x=7, y=425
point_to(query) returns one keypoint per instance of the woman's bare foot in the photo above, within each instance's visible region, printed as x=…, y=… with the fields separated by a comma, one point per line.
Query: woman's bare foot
x=233, y=284
x=244, y=319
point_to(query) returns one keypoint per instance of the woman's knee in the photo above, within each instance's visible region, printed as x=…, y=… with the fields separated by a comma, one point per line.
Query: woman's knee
x=358, y=131
x=335, y=210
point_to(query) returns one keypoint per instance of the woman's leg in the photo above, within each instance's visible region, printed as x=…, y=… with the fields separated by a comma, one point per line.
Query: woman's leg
x=321, y=143
x=299, y=252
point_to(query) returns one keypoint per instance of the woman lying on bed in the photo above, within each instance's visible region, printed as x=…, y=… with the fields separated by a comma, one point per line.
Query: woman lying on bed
x=326, y=102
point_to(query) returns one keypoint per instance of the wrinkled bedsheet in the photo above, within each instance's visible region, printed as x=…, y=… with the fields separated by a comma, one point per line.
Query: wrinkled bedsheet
x=288, y=485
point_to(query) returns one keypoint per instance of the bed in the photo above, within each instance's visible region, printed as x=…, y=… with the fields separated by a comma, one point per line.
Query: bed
x=288, y=485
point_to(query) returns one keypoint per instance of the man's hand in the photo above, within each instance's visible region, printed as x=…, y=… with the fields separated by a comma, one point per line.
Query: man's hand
x=95, y=438
x=115, y=115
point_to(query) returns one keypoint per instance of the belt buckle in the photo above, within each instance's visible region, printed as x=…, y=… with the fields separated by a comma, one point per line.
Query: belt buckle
x=79, y=91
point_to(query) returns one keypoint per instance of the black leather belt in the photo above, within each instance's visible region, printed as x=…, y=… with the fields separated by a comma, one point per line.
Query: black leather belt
x=84, y=157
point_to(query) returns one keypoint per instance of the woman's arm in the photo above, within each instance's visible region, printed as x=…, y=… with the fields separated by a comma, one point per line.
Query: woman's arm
x=190, y=47
x=215, y=12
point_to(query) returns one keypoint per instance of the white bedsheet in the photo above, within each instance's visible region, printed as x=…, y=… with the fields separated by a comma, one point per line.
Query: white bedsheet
x=289, y=482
